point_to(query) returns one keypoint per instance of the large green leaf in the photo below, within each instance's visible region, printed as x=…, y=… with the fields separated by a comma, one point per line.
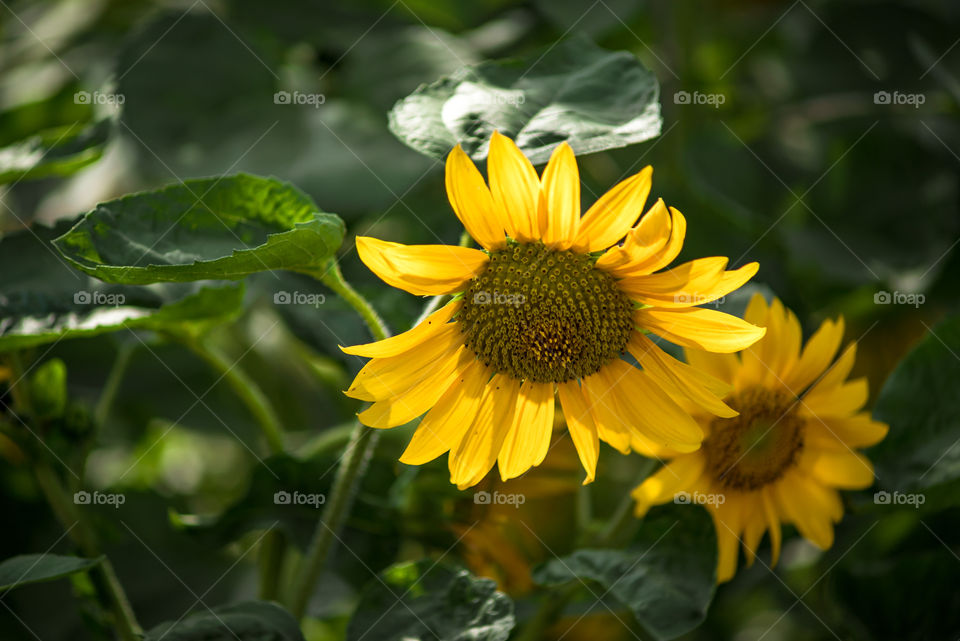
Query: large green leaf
x=423, y=600
x=920, y=403
x=36, y=568
x=575, y=91
x=210, y=228
x=43, y=300
x=666, y=576
x=250, y=621
x=54, y=152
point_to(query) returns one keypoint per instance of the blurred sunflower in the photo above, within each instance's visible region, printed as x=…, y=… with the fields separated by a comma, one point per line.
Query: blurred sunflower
x=783, y=458
x=541, y=311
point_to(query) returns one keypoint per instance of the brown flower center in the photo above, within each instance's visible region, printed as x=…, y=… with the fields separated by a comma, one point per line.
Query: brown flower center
x=755, y=448
x=545, y=315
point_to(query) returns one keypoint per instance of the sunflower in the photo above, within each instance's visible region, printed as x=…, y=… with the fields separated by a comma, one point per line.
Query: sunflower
x=790, y=449
x=548, y=308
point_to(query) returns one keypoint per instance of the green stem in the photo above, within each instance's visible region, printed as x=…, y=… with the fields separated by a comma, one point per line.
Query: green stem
x=363, y=440
x=334, y=515
x=244, y=387
x=333, y=278
x=112, y=386
x=85, y=539
x=273, y=547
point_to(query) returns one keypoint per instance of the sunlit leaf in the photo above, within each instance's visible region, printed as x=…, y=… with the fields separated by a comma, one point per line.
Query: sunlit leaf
x=211, y=228
x=575, y=91
x=42, y=299
x=54, y=152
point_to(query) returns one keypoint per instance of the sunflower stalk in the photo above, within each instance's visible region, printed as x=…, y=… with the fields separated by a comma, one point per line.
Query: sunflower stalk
x=363, y=440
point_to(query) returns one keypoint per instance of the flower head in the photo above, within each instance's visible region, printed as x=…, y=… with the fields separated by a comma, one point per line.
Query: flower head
x=784, y=457
x=548, y=308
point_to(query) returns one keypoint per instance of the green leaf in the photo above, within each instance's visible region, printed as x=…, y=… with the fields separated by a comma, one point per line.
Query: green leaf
x=920, y=404
x=575, y=91
x=666, y=576
x=42, y=299
x=59, y=151
x=37, y=568
x=210, y=228
x=435, y=602
x=249, y=621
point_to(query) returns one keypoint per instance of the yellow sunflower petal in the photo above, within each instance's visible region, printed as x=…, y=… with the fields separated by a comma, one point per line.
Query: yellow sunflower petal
x=843, y=469
x=816, y=356
x=728, y=524
x=383, y=378
x=756, y=360
x=559, y=204
x=396, y=345
x=476, y=453
x=515, y=188
x=647, y=410
x=766, y=362
x=810, y=507
x=611, y=429
x=581, y=427
x=472, y=202
x=643, y=242
x=663, y=485
x=443, y=427
x=756, y=312
x=706, y=329
x=424, y=270
x=404, y=407
x=854, y=431
x=528, y=436
x=669, y=252
x=754, y=526
x=681, y=286
x=679, y=379
x=839, y=400
x=611, y=217
x=838, y=372
x=773, y=523
x=722, y=367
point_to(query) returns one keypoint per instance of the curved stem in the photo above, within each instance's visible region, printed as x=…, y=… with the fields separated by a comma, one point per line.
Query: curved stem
x=244, y=387
x=363, y=440
x=333, y=278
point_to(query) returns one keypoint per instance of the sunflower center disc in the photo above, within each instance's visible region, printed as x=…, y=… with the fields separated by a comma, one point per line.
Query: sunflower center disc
x=755, y=448
x=545, y=315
